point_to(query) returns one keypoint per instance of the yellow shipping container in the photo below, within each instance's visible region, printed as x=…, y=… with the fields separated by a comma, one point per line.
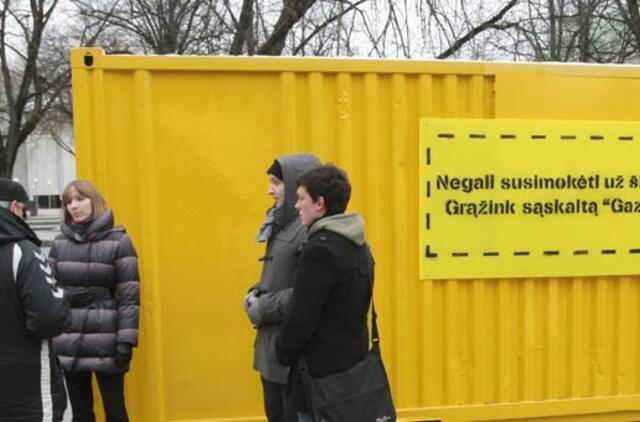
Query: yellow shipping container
x=180, y=145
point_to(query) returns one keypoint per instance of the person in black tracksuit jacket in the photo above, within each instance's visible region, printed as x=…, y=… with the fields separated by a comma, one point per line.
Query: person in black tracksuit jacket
x=32, y=311
x=326, y=320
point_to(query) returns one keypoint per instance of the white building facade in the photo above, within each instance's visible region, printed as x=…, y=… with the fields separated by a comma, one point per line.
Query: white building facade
x=44, y=167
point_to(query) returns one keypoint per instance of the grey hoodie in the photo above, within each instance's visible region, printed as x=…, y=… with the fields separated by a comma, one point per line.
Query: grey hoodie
x=279, y=263
x=293, y=166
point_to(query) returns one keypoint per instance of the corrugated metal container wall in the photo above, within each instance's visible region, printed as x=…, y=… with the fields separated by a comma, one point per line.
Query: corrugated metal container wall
x=180, y=146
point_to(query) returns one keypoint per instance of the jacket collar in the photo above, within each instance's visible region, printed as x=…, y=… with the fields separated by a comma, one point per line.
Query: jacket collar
x=349, y=225
x=14, y=228
x=97, y=230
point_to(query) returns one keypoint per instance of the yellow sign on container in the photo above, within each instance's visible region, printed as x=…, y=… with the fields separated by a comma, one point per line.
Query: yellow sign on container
x=523, y=198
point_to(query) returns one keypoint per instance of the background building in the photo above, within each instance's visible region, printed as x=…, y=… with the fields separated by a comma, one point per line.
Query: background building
x=46, y=164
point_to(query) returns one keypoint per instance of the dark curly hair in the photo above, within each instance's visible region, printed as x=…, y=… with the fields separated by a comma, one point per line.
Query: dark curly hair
x=331, y=183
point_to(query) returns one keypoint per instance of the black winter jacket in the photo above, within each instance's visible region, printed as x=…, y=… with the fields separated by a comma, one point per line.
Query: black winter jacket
x=327, y=316
x=32, y=311
x=99, y=271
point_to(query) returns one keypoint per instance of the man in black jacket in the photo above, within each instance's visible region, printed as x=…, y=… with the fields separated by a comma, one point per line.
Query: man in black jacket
x=327, y=317
x=32, y=311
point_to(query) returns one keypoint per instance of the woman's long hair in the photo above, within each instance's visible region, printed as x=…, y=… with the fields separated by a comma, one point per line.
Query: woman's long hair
x=85, y=189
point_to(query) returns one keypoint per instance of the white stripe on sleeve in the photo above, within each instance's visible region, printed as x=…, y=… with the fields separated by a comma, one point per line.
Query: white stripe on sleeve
x=45, y=383
x=17, y=257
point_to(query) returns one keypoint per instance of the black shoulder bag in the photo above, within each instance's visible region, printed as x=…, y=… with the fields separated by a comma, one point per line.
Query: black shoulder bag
x=360, y=394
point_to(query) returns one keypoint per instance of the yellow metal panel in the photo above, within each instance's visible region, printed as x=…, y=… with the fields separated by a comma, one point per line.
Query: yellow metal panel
x=609, y=409
x=180, y=146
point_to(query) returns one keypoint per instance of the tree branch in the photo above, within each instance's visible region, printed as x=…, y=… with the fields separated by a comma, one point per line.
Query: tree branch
x=477, y=30
x=324, y=24
x=291, y=13
x=244, y=29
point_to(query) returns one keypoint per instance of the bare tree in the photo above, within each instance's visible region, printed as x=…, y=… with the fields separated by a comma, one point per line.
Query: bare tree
x=30, y=88
x=602, y=31
x=157, y=26
x=192, y=26
x=430, y=28
x=630, y=13
x=265, y=27
x=292, y=11
x=327, y=30
x=494, y=22
x=568, y=30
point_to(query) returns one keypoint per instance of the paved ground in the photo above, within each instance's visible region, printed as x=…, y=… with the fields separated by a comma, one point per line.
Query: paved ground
x=46, y=225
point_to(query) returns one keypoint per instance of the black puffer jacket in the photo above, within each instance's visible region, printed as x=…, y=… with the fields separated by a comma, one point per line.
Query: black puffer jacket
x=99, y=271
x=32, y=311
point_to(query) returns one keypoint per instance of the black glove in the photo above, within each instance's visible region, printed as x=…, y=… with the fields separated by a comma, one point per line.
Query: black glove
x=123, y=353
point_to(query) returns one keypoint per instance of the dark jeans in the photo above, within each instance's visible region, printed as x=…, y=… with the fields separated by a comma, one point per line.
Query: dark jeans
x=275, y=402
x=81, y=396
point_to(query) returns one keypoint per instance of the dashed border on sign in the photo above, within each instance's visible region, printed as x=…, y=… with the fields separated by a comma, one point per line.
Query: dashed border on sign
x=535, y=136
x=429, y=253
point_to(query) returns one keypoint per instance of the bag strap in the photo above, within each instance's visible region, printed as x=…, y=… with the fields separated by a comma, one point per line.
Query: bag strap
x=375, y=336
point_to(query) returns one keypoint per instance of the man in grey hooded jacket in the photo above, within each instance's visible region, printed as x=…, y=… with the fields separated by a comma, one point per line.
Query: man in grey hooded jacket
x=266, y=301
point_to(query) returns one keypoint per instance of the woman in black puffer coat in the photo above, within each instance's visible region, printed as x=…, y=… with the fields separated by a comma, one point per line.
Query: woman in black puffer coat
x=97, y=265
